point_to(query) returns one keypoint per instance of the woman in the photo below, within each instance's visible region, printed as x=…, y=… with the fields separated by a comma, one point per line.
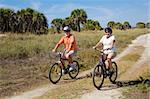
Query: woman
x=107, y=42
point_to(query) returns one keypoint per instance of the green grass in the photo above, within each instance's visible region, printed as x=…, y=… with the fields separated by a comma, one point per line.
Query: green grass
x=20, y=46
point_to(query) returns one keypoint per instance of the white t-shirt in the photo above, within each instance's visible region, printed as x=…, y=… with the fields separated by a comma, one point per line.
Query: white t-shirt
x=107, y=44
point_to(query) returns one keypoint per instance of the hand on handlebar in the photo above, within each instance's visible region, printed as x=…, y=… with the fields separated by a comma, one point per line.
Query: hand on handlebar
x=94, y=47
x=54, y=50
x=108, y=49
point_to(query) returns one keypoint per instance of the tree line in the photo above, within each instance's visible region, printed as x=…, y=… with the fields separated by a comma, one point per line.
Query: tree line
x=29, y=20
x=22, y=21
x=78, y=20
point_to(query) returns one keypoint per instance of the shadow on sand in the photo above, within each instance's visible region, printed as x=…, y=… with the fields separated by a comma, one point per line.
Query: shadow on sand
x=126, y=83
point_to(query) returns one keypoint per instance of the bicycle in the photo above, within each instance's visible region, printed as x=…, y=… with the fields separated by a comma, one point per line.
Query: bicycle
x=55, y=71
x=100, y=72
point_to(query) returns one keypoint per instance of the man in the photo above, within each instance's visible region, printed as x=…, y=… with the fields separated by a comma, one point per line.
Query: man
x=70, y=47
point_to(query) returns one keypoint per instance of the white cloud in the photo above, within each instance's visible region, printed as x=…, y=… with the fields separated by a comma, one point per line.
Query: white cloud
x=94, y=12
x=36, y=5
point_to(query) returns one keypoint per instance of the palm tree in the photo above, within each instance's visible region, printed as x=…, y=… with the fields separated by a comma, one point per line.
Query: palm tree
x=126, y=25
x=25, y=20
x=57, y=24
x=32, y=21
x=67, y=22
x=119, y=26
x=78, y=16
x=6, y=16
x=148, y=25
x=140, y=25
x=92, y=25
x=97, y=25
x=111, y=24
x=89, y=25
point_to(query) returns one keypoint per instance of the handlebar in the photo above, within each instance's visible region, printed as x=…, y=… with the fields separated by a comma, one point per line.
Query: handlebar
x=102, y=50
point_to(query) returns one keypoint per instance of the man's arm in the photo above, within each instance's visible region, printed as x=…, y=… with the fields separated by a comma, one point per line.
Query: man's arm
x=58, y=44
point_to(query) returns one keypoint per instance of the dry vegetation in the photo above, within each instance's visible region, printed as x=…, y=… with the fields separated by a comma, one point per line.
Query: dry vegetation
x=24, y=59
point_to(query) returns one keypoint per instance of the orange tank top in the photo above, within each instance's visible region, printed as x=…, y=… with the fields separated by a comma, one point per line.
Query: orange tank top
x=69, y=41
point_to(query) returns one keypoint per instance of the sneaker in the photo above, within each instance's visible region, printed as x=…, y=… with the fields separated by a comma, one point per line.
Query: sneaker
x=109, y=72
x=72, y=67
x=63, y=72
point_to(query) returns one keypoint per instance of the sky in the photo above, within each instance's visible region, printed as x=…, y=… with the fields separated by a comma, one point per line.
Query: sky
x=103, y=11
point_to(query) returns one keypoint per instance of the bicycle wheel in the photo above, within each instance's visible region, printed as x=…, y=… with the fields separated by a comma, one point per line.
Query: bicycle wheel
x=98, y=77
x=114, y=75
x=55, y=73
x=75, y=71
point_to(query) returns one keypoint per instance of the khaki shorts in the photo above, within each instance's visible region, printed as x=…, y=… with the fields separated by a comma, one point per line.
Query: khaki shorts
x=71, y=53
x=112, y=55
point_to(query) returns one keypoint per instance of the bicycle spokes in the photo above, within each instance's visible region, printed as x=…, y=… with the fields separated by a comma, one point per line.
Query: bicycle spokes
x=55, y=73
x=113, y=76
x=73, y=73
x=98, y=76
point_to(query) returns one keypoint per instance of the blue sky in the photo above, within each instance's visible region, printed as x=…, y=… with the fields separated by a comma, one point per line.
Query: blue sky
x=101, y=10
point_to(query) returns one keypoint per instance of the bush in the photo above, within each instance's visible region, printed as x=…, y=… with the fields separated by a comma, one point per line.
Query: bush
x=140, y=25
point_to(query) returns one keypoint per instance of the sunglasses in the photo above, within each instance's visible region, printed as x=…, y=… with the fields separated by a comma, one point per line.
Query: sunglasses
x=66, y=31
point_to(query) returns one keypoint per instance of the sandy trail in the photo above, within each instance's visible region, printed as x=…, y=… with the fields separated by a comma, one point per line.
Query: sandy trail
x=106, y=94
x=2, y=35
x=144, y=41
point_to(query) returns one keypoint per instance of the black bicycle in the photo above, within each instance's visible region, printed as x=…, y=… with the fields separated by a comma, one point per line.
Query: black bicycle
x=55, y=71
x=100, y=72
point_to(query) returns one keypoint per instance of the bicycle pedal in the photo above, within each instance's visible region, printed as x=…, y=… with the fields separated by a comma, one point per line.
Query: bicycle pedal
x=105, y=75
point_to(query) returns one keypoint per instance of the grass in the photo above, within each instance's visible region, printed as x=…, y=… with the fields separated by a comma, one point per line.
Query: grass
x=142, y=90
x=129, y=60
x=19, y=46
x=24, y=59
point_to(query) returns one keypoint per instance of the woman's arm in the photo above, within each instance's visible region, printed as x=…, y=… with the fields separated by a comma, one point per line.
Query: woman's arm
x=98, y=45
x=112, y=44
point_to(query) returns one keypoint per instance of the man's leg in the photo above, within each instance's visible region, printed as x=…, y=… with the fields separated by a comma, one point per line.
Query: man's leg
x=69, y=56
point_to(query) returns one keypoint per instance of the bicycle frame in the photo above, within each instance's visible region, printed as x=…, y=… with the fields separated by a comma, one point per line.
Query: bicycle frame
x=102, y=60
x=61, y=58
x=100, y=72
x=55, y=76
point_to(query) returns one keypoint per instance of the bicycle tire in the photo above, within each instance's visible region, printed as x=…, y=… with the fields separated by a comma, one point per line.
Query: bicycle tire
x=98, y=74
x=113, y=77
x=73, y=74
x=57, y=72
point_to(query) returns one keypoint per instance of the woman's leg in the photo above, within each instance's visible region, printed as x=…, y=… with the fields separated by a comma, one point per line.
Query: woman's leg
x=109, y=59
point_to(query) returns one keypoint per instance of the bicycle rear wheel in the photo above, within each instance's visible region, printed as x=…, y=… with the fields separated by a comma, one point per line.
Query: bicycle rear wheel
x=75, y=71
x=55, y=73
x=98, y=77
x=114, y=75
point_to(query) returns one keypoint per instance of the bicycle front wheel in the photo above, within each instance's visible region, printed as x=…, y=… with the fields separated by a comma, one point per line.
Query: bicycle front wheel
x=55, y=73
x=75, y=71
x=98, y=77
x=114, y=75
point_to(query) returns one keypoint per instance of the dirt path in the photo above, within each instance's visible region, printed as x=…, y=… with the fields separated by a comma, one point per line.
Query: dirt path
x=2, y=35
x=106, y=94
x=144, y=41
